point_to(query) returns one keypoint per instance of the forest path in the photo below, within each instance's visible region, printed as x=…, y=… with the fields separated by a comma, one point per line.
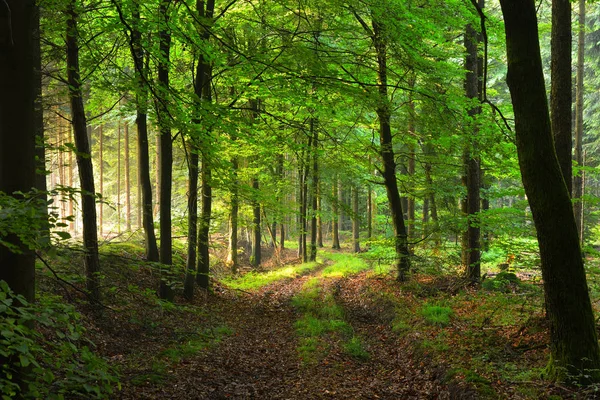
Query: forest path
x=286, y=345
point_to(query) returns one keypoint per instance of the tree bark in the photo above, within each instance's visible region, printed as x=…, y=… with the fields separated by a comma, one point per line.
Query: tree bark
x=166, y=151
x=18, y=93
x=386, y=151
x=127, y=180
x=141, y=104
x=314, y=191
x=193, y=161
x=335, y=234
x=560, y=96
x=578, y=179
x=473, y=181
x=84, y=159
x=355, y=221
x=574, y=343
x=255, y=258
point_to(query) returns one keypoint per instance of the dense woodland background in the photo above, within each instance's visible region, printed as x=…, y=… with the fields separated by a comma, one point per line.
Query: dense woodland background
x=195, y=156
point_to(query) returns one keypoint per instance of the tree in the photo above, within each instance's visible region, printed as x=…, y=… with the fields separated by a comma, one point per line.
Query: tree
x=84, y=159
x=18, y=77
x=560, y=96
x=165, y=145
x=579, y=92
x=471, y=245
x=573, y=339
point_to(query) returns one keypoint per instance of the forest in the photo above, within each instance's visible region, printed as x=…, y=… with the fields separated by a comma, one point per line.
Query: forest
x=299, y=199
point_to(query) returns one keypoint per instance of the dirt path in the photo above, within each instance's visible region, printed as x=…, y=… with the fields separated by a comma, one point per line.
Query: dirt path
x=260, y=360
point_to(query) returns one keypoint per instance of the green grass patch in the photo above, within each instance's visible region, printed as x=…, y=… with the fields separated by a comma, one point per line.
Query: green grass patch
x=257, y=280
x=356, y=348
x=436, y=314
x=344, y=265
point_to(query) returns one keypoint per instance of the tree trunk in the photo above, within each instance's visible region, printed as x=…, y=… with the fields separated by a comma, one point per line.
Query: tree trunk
x=335, y=205
x=193, y=160
x=255, y=258
x=18, y=79
x=118, y=177
x=232, y=257
x=386, y=150
x=127, y=181
x=577, y=179
x=101, y=167
x=574, y=343
x=202, y=91
x=369, y=212
x=166, y=151
x=144, y=182
x=355, y=221
x=561, y=97
x=203, y=268
x=314, y=191
x=319, y=217
x=473, y=202
x=84, y=159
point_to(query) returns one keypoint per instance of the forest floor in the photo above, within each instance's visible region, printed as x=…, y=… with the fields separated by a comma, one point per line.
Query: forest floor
x=341, y=328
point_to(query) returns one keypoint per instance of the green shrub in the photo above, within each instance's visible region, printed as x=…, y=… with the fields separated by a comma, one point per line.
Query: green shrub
x=53, y=365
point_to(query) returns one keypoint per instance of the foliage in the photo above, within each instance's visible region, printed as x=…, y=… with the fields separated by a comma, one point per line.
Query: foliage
x=436, y=314
x=48, y=352
x=256, y=280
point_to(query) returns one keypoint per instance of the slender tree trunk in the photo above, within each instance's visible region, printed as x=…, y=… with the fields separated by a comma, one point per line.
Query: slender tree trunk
x=560, y=97
x=573, y=340
x=166, y=151
x=473, y=202
x=84, y=159
x=193, y=161
x=232, y=257
x=319, y=217
x=369, y=212
x=314, y=191
x=118, y=177
x=141, y=104
x=202, y=91
x=577, y=179
x=335, y=205
x=73, y=225
x=101, y=167
x=255, y=258
x=203, y=268
x=127, y=181
x=402, y=262
x=355, y=221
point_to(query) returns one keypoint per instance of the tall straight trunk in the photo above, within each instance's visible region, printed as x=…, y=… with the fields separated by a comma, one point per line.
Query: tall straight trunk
x=141, y=104
x=340, y=213
x=355, y=221
x=369, y=212
x=319, y=217
x=18, y=81
x=314, y=191
x=410, y=211
x=560, y=96
x=232, y=257
x=573, y=339
x=203, y=95
x=281, y=175
x=127, y=180
x=386, y=151
x=84, y=159
x=473, y=202
x=335, y=205
x=193, y=164
x=166, y=150
x=577, y=179
x=73, y=225
x=255, y=258
x=203, y=267
x=118, y=177
x=304, y=188
x=101, y=167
